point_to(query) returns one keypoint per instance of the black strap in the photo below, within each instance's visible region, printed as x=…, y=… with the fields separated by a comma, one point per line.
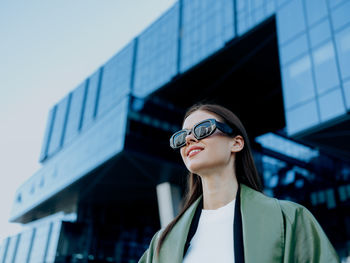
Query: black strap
x=194, y=225
x=237, y=229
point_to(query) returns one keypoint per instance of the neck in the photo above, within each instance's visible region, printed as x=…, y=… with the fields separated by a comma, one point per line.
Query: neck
x=219, y=188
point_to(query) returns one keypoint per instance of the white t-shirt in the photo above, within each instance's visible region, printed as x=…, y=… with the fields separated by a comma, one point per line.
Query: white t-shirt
x=213, y=240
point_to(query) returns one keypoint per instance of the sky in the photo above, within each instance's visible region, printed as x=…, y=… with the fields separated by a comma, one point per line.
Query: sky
x=47, y=48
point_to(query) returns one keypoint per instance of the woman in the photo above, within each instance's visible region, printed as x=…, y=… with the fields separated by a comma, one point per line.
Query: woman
x=226, y=218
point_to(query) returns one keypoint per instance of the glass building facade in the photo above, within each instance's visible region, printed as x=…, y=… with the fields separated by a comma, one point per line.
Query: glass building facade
x=314, y=54
x=140, y=92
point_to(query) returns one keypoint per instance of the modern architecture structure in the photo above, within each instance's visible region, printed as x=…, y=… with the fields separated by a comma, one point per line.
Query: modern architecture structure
x=109, y=179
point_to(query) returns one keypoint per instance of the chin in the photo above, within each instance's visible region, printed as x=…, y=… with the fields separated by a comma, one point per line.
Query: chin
x=196, y=167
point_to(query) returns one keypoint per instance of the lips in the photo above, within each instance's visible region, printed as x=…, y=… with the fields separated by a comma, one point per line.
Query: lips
x=194, y=150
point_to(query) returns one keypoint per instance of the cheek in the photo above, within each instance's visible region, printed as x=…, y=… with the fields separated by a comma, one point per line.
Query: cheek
x=182, y=153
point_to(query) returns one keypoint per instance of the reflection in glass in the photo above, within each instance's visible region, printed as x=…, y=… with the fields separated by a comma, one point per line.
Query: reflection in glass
x=331, y=105
x=326, y=72
x=320, y=32
x=316, y=10
x=297, y=82
x=302, y=117
x=346, y=87
x=290, y=21
x=287, y=147
x=343, y=47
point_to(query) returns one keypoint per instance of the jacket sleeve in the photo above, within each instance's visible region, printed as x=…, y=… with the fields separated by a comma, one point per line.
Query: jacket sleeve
x=305, y=240
x=150, y=254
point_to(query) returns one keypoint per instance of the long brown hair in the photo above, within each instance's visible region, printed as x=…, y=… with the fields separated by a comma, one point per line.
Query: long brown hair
x=246, y=171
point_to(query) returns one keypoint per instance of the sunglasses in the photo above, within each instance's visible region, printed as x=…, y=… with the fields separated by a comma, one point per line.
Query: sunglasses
x=200, y=131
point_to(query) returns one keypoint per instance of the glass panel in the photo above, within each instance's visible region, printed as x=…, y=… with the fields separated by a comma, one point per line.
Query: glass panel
x=55, y=234
x=91, y=99
x=257, y=4
x=228, y=17
x=75, y=111
x=3, y=249
x=315, y=10
x=270, y=7
x=343, y=47
x=241, y=5
x=58, y=126
x=258, y=15
x=340, y=15
x=24, y=245
x=290, y=20
x=335, y=3
x=331, y=105
x=116, y=79
x=298, y=85
x=287, y=147
x=326, y=72
x=250, y=20
x=157, y=52
x=105, y=139
x=320, y=33
x=47, y=137
x=293, y=49
x=242, y=25
x=346, y=87
x=280, y=3
x=40, y=243
x=11, y=249
x=204, y=31
x=302, y=117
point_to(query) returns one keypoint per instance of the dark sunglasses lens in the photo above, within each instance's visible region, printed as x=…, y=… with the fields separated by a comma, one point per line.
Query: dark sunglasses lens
x=179, y=139
x=203, y=129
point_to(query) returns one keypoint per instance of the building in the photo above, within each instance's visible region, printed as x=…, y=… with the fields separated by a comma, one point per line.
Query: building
x=109, y=178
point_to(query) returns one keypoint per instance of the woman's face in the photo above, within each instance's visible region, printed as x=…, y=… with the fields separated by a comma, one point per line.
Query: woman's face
x=208, y=154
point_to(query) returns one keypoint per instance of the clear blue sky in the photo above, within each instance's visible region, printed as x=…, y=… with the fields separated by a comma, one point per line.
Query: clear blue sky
x=46, y=49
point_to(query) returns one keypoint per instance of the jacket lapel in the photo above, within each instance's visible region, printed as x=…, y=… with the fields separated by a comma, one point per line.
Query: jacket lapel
x=237, y=229
x=172, y=250
x=262, y=225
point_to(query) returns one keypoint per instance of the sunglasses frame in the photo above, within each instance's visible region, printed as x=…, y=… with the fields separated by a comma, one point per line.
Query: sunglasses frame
x=214, y=123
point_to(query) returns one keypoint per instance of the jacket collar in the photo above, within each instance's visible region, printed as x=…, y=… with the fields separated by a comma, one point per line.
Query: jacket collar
x=237, y=227
x=261, y=229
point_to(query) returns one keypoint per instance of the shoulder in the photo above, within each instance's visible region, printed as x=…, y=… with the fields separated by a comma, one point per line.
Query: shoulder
x=305, y=238
x=288, y=212
x=254, y=198
x=293, y=211
x=150, y=254
x=289, y=208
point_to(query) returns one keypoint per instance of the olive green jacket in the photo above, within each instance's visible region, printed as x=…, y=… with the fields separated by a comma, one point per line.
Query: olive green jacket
x=273, y=231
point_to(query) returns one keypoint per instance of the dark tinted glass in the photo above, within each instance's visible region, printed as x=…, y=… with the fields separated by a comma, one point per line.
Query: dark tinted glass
x=179, y=138
x=203, y=129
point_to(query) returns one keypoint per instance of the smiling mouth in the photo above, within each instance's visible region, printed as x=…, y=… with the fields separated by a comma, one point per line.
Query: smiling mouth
x=194, y=152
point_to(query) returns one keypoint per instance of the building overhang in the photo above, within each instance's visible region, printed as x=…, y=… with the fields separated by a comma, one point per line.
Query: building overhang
x=332, y=137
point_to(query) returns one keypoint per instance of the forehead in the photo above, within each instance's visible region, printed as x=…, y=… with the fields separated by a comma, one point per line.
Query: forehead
x=198, y=116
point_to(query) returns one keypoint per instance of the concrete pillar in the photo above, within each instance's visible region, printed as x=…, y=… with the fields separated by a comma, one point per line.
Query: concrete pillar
x=169, y=198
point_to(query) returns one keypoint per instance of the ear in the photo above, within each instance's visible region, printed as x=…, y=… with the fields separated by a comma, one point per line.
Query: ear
x=237, y=144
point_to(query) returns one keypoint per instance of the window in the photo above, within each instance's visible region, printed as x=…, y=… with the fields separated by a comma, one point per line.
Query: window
x=343, y=48
x=298, y=85
x=331, y=105
x=320, y=33
x=302, y=117
x=326, y=72
x=340, y=15
x=315, y=10
x=290, y=21
x=346, y=86
x=293, y=49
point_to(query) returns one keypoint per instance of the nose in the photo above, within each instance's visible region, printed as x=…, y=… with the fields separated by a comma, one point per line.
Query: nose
x=190, y=138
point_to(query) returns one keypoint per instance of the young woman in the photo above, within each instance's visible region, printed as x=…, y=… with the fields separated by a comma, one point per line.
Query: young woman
x=226, y=218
